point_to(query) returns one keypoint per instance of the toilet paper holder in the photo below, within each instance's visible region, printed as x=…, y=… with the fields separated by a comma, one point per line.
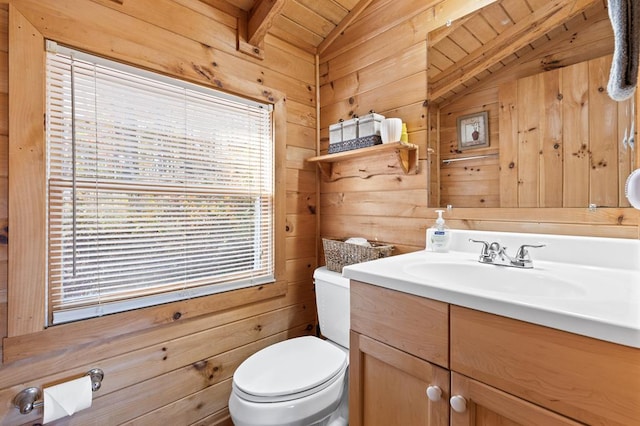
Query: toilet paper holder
x=30, y=398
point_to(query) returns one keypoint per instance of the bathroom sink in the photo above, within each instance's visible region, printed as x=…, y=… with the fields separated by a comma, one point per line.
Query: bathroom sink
x=584, y=285
x=474, y=276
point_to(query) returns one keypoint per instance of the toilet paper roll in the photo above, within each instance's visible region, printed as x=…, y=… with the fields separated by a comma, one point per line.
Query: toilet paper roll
x=66, y=399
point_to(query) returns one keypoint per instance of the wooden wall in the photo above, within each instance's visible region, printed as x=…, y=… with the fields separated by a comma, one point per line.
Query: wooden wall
x=366, y=69
x=384, y=71
x=556, y=141
x=174, y=371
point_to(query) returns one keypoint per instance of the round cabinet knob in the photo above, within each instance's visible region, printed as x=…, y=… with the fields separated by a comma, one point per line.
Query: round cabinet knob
x=434, y=393
x=458, y=403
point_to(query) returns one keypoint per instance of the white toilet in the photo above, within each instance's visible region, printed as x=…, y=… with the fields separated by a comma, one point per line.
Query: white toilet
x=301, y=381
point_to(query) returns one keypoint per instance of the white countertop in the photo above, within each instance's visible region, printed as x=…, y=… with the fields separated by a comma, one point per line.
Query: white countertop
x=597, y=295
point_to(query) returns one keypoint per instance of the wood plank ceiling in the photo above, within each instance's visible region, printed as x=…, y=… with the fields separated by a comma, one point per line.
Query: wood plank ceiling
x=463, y=54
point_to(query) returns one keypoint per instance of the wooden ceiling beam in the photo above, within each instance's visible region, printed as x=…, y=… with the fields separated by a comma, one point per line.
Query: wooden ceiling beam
x=253, y=26
x=261, y=18
x=524, y=32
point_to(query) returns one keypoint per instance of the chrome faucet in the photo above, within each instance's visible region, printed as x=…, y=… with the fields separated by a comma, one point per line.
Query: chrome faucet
x=494, y=254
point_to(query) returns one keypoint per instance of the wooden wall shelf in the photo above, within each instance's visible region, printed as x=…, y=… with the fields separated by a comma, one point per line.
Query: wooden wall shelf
x=408, y=154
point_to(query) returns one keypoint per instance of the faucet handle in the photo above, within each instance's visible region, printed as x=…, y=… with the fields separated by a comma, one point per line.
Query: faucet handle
x=485, y=246
x=486, y=255
x=523, y=253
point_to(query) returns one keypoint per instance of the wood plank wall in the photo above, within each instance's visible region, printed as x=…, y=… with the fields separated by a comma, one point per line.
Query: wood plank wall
x=386, y=72
x=559, y=140
x=177, y=373
x=383, y=71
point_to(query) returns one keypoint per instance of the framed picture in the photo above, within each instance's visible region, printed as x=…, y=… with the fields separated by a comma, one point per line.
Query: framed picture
x=473, y=130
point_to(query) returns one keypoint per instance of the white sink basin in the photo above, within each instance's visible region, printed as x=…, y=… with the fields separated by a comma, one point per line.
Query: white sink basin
x=584, y=285
x=478, y=277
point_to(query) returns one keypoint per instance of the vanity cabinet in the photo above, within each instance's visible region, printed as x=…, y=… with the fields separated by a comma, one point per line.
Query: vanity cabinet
x=488, y=406
x=399, y=348
x=590, y=380
x=490, y=370
x=389, y=387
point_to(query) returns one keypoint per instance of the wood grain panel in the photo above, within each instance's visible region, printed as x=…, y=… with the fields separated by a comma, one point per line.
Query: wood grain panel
x=508, y=135
x=378, y=20
x=528, y=141
x=26, y=165
x=374, y=49
x=301, y=136
x=406, y=203
x=219, y=418
x=391, y=317
x=603, y=144
x=575, y=128
x=296, y=157
x=404, y=91
x=219, y=31
x=551, y=158
x=381, y=182
x=548, y=367
x=570, y=172
x=388, y=386
x=492, y=407
x=77, y=357
x=176, y=38
x=301, y=202
x=392, y=230
x=140, y=381
x=626, y=155
x=301, y=247
x=376, y=75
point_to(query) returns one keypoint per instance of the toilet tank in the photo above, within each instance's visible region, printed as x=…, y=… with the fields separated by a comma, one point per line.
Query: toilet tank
x=332, y=299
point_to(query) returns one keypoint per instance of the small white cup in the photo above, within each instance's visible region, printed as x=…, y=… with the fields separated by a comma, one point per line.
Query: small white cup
x=390, y=130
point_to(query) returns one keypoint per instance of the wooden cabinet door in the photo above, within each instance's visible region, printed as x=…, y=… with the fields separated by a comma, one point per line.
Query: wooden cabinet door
x=388, y=387
x=488, y=406
x=590, y=380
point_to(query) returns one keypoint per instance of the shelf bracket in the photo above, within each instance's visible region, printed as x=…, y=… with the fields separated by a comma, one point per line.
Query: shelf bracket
x=408, y=158
x=325, y=169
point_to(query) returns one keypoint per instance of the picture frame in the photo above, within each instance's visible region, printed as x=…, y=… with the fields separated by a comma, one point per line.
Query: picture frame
x=473, y=131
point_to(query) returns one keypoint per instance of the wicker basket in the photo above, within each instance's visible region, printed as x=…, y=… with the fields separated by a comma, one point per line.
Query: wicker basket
x=339, y=254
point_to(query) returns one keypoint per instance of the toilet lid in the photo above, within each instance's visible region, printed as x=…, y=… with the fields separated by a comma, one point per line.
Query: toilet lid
x=289, y=367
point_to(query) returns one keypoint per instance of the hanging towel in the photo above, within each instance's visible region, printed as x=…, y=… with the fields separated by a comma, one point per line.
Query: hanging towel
x=625, y=20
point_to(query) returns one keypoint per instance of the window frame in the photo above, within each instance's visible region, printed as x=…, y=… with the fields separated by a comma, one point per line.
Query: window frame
x=27, y=210
x=64, y=65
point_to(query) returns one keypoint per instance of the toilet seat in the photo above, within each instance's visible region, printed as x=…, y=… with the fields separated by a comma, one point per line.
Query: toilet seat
x=289, y=370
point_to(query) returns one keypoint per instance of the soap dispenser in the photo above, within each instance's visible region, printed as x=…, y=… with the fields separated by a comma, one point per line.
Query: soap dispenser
x=438, y=236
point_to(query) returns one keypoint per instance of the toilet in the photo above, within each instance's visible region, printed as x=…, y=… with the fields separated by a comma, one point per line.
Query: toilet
x=301, y=381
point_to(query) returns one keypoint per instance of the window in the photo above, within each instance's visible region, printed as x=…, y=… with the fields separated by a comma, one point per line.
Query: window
x=158, y=190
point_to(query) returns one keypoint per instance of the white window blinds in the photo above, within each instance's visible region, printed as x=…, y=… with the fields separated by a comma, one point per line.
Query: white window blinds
x=158, y=190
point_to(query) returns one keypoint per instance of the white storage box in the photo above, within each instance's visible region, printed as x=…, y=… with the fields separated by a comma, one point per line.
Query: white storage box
x=335, y=133
x=350, y=129
x=369, y=125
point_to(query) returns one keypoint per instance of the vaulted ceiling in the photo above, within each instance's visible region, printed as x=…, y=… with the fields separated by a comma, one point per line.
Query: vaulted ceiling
x=497, y=38
x=308, y=24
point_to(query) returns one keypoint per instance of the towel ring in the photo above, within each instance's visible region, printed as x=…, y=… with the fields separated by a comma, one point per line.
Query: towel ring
x=29, y=398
